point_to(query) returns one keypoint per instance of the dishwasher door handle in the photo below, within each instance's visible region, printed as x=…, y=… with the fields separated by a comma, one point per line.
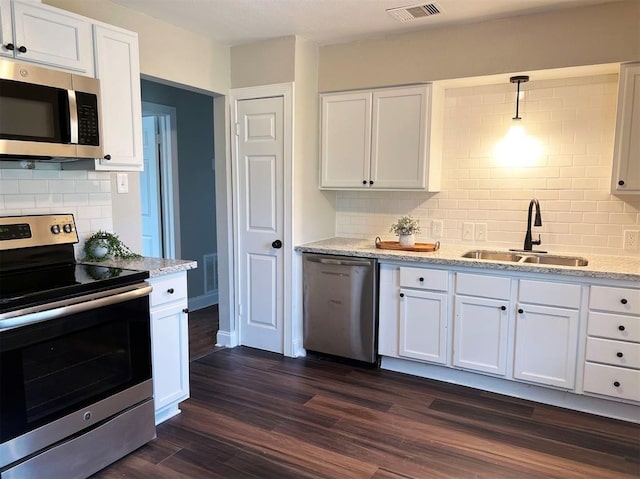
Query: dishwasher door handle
x=339, y=262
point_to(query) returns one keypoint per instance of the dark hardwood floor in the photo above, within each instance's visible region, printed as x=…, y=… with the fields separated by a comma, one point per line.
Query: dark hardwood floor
x=254, y=414
x=203, y=327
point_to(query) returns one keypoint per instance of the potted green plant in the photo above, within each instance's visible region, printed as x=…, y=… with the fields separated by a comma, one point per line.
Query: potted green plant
x=406, y=228
x=102, y=245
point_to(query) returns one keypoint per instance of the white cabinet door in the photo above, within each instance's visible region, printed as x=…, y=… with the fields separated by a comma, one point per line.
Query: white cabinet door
x=480, y=334
x=6, y=29
x=625, y=178
x=345, y=143
x=169, y=343
x=47, y=35
x=118, y=68
x=423, y=325
x=546, y=345
x=399, y=136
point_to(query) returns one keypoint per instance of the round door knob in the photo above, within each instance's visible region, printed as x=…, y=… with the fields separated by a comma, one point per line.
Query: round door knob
x=503, y=308
x=621, y=182
x=402, y=295
x=521, y=311
x=621, y=328
x=624, y=301
x=619, y=355
x=107, y=157
x=10, y=46
x=22, y=49
x=277, y=244
x=170, y=291
x=421, y=279
x=616, y=384
x=185, y=310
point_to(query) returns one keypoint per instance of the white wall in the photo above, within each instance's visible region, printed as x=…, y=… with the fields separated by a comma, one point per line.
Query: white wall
x=574, y=120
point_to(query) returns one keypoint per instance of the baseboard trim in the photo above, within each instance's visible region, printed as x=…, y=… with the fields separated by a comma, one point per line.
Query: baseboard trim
x=203, y=301
x=228, y=339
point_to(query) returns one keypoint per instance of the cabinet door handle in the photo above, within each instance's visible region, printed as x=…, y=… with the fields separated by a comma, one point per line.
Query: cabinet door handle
x=107, y=157
x=616, y=384
x=619, y=355
x=503, y=307
x=370, y=182
x=402, y=295
x=10, y=46
x=185, y=310
x=421, y=279
x=22, y=49
x=170, y=291
x=364, y=182
x=621, y=182
x=621, y=327
x=520, y=310
x=624, y=301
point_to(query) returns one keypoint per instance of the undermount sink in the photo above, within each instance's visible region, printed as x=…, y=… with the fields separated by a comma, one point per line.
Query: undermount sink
x=492, y=255
x=557, y=260
x=524, y=257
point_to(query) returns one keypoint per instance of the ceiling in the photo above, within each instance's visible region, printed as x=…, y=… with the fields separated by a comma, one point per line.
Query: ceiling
x=234, y=22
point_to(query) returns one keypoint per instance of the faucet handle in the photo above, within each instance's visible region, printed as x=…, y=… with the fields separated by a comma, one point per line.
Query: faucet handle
x=537, y=242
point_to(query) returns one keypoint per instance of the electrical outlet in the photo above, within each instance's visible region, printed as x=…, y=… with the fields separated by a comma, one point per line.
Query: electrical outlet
x=481, y=231
x=436, y=228
x=122, y=181
x=468, y=231
x=631, y=240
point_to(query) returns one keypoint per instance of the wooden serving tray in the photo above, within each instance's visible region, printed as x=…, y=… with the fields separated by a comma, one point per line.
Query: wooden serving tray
x=423, y=247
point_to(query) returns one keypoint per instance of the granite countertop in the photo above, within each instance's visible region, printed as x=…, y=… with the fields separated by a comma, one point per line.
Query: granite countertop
x=600, y=266
x=155, y=266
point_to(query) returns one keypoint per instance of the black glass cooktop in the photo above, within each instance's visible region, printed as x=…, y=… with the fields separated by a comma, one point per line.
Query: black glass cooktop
x=31, y=287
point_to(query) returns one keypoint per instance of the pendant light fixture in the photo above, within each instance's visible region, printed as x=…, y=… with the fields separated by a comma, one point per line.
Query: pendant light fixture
x=518, y=79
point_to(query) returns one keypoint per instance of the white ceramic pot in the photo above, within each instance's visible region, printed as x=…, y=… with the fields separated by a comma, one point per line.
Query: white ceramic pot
x=407, y=240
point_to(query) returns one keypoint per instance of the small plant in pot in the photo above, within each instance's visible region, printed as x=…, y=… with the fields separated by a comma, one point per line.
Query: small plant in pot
x=406, y=228
x=102, y=245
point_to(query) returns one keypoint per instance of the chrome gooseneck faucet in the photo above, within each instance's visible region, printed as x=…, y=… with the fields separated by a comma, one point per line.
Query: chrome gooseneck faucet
x=528, y=242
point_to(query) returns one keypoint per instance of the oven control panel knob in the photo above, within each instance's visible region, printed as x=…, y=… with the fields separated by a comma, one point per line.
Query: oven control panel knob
x=68, y=228
x=55, y=229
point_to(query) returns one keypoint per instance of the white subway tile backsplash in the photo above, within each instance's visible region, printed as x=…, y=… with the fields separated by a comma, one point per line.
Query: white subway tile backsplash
x=573, y=119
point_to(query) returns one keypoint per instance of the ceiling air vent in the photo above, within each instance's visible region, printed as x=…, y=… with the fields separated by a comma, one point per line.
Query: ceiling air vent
x=414, y=12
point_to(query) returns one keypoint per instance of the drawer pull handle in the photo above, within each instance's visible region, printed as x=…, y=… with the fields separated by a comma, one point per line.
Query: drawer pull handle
x=624, y=301
x=616, y=384
x=621, y=328
x=619, y=355
x=503, y=308
x=421, y=279
x=520, y=310
x=402, y=295
x=170, y=291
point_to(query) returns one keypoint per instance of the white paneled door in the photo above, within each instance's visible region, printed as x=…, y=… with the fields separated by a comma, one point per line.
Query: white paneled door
x=260, y=147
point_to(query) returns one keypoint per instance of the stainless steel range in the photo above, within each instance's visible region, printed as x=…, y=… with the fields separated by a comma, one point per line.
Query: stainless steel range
x=75, y=355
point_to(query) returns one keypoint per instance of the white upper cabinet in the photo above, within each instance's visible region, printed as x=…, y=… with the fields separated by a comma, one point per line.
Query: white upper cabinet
x=386, y=139
x=42, y=34
x=625, y=178
x=118, y=68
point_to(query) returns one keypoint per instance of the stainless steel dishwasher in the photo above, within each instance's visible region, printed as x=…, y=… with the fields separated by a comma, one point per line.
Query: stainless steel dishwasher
x=339, y=306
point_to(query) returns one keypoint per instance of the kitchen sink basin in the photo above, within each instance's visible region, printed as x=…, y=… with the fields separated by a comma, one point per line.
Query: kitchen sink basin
x=557, y=260
x=524, y=257
x=492, y=255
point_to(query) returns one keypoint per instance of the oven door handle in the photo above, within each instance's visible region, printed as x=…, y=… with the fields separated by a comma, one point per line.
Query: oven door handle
x=58, y=309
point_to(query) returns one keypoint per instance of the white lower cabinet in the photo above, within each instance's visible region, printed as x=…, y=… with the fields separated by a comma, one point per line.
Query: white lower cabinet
x=546, y=337
x=481, y=323
x=169, y=343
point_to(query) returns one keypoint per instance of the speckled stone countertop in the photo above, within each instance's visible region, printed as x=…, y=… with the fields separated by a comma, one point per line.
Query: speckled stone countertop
x=155, y=266
x=600, y=266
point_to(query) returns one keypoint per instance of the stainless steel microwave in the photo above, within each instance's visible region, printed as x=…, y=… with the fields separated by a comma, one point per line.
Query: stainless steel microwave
x=48, y=114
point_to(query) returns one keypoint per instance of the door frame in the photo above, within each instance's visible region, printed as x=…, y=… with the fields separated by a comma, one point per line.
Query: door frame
x=169, y=185
x=286, y=91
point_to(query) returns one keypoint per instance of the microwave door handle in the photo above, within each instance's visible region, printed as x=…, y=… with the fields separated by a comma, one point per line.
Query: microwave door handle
x=73, y=116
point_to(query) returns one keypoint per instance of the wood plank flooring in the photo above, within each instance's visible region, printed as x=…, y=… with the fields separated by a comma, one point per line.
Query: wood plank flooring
x=254, y=414
x=203, y=328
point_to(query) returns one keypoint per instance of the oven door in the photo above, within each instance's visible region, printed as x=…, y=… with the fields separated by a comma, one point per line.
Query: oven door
x=72, y=367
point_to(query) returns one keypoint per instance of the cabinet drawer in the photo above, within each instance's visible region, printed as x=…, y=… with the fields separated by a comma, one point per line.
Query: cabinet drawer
x=485, y=286
x=612, y=381
x=551, y=294
x=614, y=326
x=617, y=300
x=421, y=278
x=615, y=353
x=168, y=288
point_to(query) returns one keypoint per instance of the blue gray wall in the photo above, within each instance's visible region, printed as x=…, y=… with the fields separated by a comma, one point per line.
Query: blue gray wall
x=196, y=177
